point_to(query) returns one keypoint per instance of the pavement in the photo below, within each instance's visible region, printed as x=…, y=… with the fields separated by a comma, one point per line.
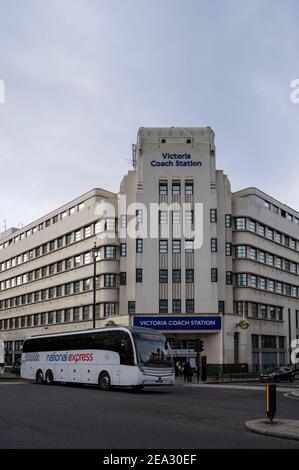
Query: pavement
x=283, y=428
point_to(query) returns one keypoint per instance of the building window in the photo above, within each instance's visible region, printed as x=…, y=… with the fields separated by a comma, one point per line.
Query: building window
x=68, y=264
x=272, y=312
x=138, y=275
x=176, y=276
x=131, y=307
x=123, y=249
x=67, y=315
x=139, y=216
x=52, y=245
x=109, y=225
x=264, y=312
x=228, y=221
x=87, y=231
x=278, y=262
x=254, y=310
x=68, y=289
x=280, y=313
x=109, y=280
x=262, y=257
x=176, y=246
x=97, y=312
x=270, y=260
x=52, y=292
x=86, y=312
x=214, y=275
x=68, y=239
x=221, y=306
x=270, y=234
x=189, y=246
x=78, y=236
x=110, y=252
x=176, y=217
x=253, y=281
x=255, y=341
x=76, y=314
x=214, y=245
x=229, y=278
x=60, y=242
x=240, y=223
x=163, y=276
x=86, y=284
x=123, y=221
x=271, y=285
x=252, y=226
x=189, y=306
x=176, y=306
x=262, y=230
x=241, y=251
x=163, y=306
x=76, y=287
x=241, y=280
x=262, y=283
x=188, y=188
x=176, y=189
x=86, y=258
x=163, y=189
x=189, y=217
x=213, y=216
x=268, y=342
x=163, y=217
x=163, y=246
x=241, y=308
x=123, y=278
x=279, y=288
x=189, y=276
x=109, y=309
x=59, y=316
x=228, y=249
x=139, y=246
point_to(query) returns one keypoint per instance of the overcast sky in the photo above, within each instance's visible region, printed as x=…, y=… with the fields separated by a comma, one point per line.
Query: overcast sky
x=82, y=76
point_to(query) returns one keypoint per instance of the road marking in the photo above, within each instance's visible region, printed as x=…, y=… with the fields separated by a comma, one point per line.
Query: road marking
x=290, y=395
x=12, y=383
x=239, y=387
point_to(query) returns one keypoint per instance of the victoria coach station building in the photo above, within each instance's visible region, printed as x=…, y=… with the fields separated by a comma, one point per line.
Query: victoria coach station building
x=204, y=263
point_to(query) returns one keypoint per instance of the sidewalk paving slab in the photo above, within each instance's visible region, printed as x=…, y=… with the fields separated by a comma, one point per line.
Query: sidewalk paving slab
x=283, y=428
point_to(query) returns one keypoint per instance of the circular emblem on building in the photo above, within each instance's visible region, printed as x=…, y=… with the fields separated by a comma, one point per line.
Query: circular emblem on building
x=243, y=324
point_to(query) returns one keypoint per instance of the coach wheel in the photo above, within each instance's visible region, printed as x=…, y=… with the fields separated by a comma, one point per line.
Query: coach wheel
x=40, y=377
x=138, y=388
x=105, y=381
x=49, y=377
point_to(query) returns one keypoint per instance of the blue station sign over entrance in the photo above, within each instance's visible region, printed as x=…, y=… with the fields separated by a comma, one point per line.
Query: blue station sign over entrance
x=210, y=323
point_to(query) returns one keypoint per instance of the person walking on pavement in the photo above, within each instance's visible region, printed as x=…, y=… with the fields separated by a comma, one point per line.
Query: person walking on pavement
x=187, y=372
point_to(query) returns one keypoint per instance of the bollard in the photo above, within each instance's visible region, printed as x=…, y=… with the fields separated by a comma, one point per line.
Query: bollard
x=271, y=401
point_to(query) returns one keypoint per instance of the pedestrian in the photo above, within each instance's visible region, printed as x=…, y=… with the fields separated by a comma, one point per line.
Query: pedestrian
x=187, y=372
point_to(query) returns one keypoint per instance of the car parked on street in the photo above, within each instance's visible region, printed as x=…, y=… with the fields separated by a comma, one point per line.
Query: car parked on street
x=278, y=375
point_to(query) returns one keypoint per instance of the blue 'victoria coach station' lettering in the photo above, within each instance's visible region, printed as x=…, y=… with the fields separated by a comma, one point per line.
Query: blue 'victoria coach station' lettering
x=181, y=160
x=179, y=323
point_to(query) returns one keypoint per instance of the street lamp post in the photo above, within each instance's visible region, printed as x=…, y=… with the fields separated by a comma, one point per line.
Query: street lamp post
x=94, y=253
